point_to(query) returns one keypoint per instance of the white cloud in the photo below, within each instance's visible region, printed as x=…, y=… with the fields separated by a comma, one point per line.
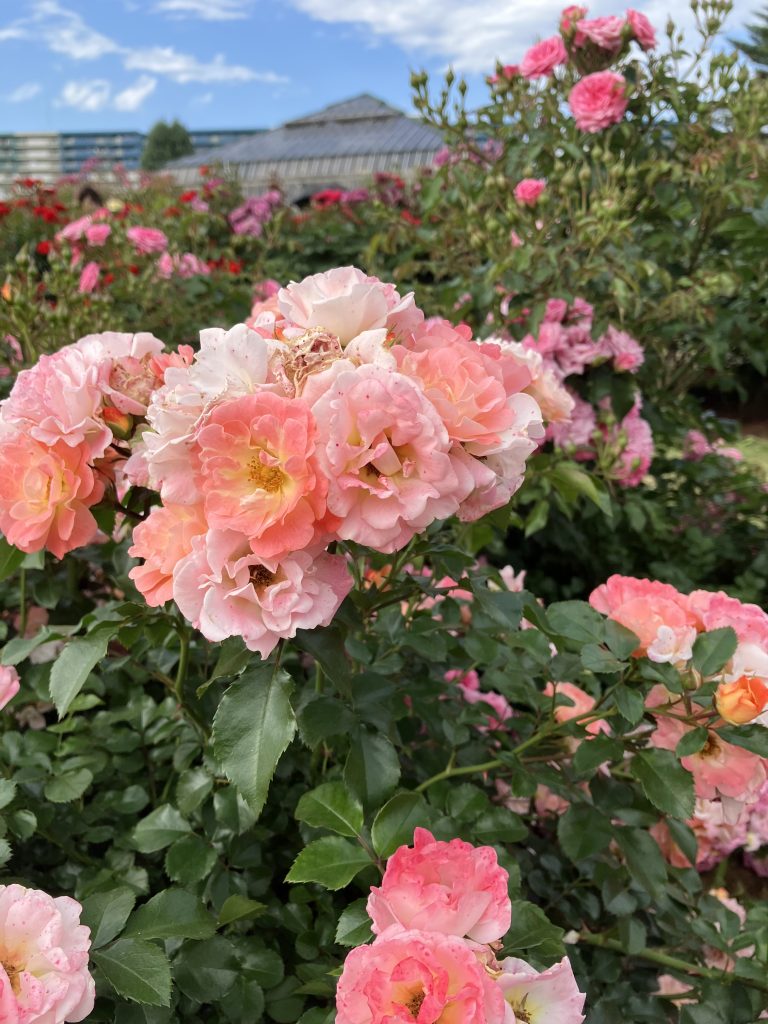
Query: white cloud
x=65, y=32
x=12, y=32
x=88, y=95
x=471, y=36
x=132, y=97
x=204, y=98
x=183, y=68
x=24, y=92
x=207, y=10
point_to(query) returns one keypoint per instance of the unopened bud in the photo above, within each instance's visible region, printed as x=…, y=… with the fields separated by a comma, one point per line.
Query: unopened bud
x=120, y=423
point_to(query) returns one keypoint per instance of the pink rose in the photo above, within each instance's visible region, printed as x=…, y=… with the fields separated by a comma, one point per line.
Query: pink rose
x=225, y=590
x=715, y=609
x=570, y=18
x=603, y=32
x=418, y=976
x=556, y=311
x=626, y=353
x=642, y=28
x=579, y=705
x=46, y=492
x=542, y=58
x=655, y=612
x=577, y=430
x=89, y=278
x=542, y=997
x=260, y=474
x=147, y=240
x=528, y=190
x=453, y=888
x=346, y=302
x=634, y=438
x=599, y=100
x=43, y=958
x=162, y=540
x=97, y=234
x=9, y=684
x=385, y=452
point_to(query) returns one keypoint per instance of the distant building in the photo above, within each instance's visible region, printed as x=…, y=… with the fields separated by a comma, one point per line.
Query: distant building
x=341, y=146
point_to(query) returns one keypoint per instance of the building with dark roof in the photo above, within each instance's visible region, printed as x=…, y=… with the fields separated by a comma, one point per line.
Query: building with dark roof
x=341, y=146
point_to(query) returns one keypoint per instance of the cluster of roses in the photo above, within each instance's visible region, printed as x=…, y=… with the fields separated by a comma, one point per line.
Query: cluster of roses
x=339, y=414
x=438, y=916
x=600, y=98
x=565, y=347
x=730, y=782
x=44, y=977
x=254, y=212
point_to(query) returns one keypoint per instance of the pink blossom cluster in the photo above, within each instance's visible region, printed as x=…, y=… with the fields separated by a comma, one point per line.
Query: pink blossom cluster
x=44, y=976
x=667, y=623
x=59, y=431
x=566, y=339
x=184, y=265
x=437, y=916
x=250, y=217
x=338, y=415
x=696, y=446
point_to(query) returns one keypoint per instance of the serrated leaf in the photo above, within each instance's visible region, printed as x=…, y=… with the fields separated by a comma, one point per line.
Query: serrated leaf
x=691, y=742
x=530, y=928
x=136, y=970
x=10, y=559
x=583, y=831
x=712, y=650
x=394, y=825
x=75, y=663
x=332, y=862
x=665, y=782
x=68, y=786
x=159, y=829
x=644, y=859
x=596, y=751
x=331, y=806
x=190, y=859
x=354, y=927
x=171, y=914
x=105, y=913
x=7, y=791
x=598, y=659
x=630, y=703
x=751, y=737
x=206, y=971
x=236, y=908
x=252, y=729
x=373, y=769
x=576, y=620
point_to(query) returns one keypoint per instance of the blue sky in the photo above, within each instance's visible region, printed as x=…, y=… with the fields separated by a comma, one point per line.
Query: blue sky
x=123, y=64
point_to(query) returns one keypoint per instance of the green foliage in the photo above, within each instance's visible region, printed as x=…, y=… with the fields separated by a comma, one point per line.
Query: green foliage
x=165, y=142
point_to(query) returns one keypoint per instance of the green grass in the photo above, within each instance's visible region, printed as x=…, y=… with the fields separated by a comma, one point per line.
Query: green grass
x=755, y=451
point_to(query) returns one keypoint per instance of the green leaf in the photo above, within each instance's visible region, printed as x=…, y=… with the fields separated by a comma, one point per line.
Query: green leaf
x=7, y=792
x=393, y=826
x=632, y=934
x=644, y=859
x=712, y=650
x=236, y=908
x=206, y=971
x=159, y=829
x=136, y=970
x=583, y=831
x=136, y=1013
x=684, y=836
x=630, y=703
x=5, y=851
x=354, y=927
x=332, y=862
x=531, y=928
x=105, y=913
x=73, y=666
x=171, y=914
x=68, y=786
x=252, y=729
x=691, y=742
x=665, y=782
x=596, y=751
x=373, y=769
x=20, y=647
x=10, y=559
x=331, y=806
x=190, y=859
x=193, y=787
x=576, y=620
x=499, y=825
x=621, y=641
x=598, y=659
x=751, y=737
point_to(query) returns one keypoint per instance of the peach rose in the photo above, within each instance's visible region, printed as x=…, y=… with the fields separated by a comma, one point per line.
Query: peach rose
x=162, y=540
x=453, y=888
x=580, y=704
x=541, y=997
x=655, y=612
x=741, y=700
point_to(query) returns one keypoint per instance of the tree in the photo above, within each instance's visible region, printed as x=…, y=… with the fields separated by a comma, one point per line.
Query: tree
x=756, y=46
x=165, y=142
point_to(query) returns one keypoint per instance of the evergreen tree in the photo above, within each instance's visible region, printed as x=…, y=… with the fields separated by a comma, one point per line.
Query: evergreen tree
x=756, y=46
x=165, y=142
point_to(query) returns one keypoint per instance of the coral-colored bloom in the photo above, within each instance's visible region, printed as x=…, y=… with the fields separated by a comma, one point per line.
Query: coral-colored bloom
x=44, y=975
x=542, y=997
x=45, y=495
x=386, y=453
x=528, y=191
x=225, y=590
x=742, y=700
x=715, y=609
x=260, y=475
x=542, y=58
x=9, y=684
x=162, y=540
x=147, y=240
x=417, y=976
x=89, y=278
x=346, y=302
x=655, y=612
x=580, y=705
x=598, y=100
x=453, y=888
x=642, y=29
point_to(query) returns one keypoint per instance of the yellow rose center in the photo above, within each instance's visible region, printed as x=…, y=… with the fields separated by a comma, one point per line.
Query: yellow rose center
x=414, y=1004
x=267, y=478
x=13, y=971
x=261, y=576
